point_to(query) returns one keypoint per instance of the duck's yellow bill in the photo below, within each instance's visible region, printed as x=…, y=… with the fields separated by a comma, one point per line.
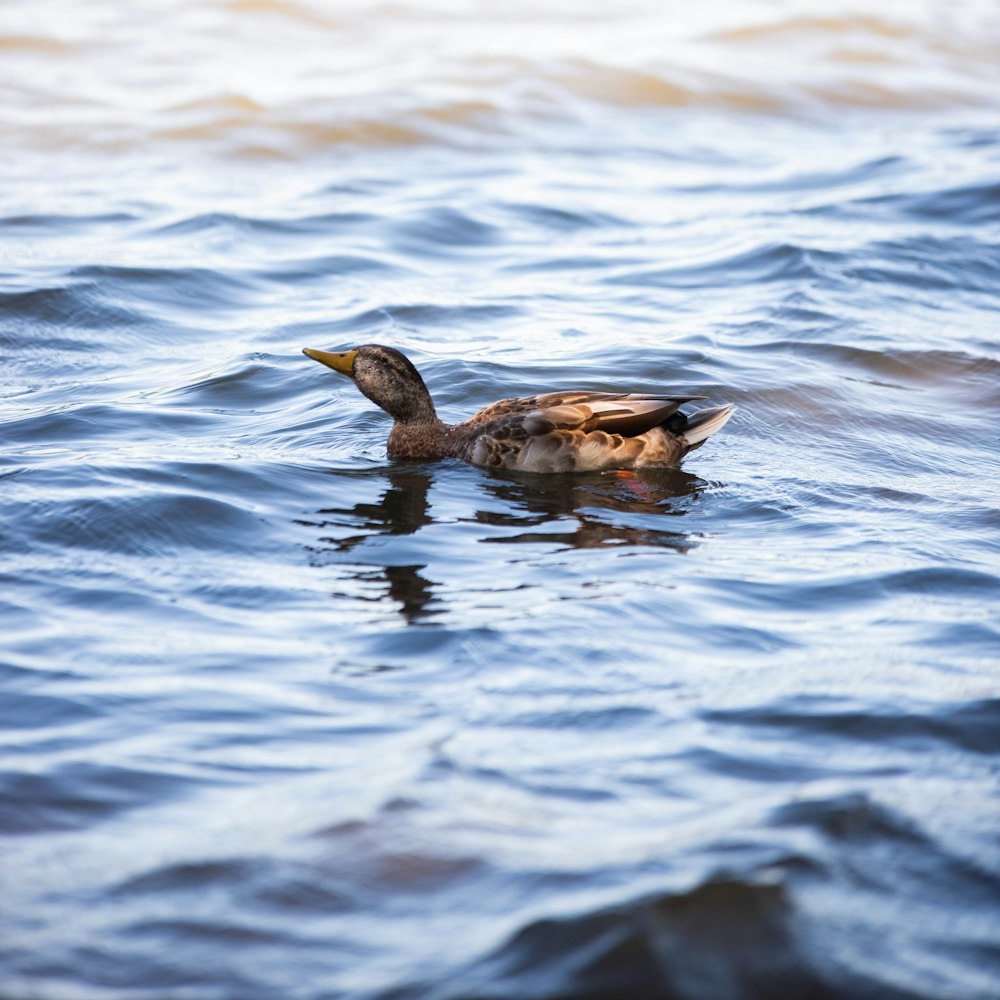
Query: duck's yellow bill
x=343, y=363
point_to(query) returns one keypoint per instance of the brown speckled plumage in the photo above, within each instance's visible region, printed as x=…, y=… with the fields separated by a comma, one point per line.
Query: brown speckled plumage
x=553, y=432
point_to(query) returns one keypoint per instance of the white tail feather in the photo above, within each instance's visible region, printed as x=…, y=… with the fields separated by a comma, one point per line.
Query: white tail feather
x=705, y=423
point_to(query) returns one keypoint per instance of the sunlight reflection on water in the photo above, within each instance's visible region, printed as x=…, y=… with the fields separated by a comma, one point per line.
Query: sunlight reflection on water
x=116, y=79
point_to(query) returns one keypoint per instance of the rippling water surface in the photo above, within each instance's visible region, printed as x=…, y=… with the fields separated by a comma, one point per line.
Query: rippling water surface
x=281, y=718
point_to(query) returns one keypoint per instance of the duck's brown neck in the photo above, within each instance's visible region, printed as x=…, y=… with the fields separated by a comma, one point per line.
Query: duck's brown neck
x=422, y=440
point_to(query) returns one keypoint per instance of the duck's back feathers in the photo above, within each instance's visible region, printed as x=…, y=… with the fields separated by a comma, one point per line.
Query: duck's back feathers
x=627, y=414
x=576, y=431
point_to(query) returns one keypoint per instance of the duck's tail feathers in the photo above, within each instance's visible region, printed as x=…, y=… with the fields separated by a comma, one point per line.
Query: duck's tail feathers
x=705, y=423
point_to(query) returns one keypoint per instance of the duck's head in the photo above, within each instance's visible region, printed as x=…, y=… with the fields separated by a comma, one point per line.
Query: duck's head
x=386, y=377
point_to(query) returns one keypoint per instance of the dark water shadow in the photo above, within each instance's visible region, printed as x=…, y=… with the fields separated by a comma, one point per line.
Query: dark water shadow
x=728, y=937
x=616, y=509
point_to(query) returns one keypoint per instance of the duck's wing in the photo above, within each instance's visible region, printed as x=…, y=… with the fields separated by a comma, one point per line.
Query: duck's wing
x=627, y=414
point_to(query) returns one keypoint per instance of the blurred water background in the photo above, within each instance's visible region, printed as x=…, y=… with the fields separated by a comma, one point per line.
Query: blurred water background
x=282, y=719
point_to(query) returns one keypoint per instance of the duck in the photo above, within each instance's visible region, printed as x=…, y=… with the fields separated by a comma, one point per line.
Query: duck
x=553, y=432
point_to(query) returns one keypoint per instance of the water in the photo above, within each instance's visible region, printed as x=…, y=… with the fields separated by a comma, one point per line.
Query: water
x=283, y=719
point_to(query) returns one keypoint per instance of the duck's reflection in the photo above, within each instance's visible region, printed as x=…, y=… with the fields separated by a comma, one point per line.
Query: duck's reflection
x=402, y=509
x=576, y=508
x=594, y=511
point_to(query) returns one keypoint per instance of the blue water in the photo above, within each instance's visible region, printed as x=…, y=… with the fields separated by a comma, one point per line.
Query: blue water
x=281, y=718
